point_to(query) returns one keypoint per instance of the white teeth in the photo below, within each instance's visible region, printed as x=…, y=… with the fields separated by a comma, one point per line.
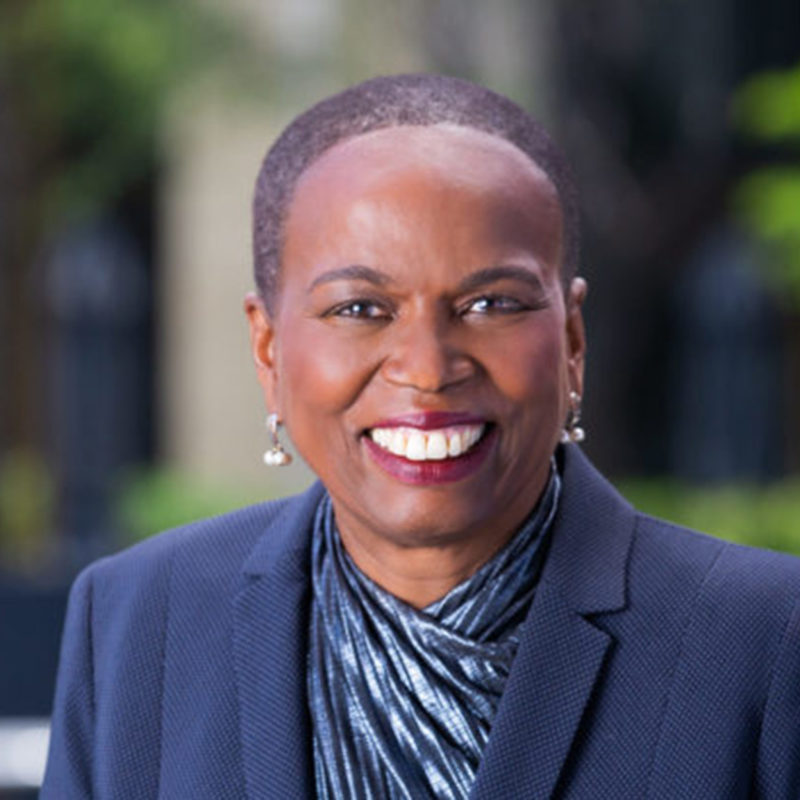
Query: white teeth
x=470, y=437
x=418, y=445
x=415, y=449
x=396, y=442
x=437, y=446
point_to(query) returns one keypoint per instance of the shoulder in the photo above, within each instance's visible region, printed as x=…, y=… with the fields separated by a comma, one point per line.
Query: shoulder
x=607, y=555
x=732, y=607
x=209, y=551
x=729, y=615
x=734, y=572
x=137, y=615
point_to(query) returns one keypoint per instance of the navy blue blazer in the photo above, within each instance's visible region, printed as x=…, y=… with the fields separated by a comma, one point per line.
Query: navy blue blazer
x=655, y=663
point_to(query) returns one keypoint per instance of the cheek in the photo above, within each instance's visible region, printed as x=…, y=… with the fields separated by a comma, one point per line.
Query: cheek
x=320, y=375
x=532, y=370
x=541, y=391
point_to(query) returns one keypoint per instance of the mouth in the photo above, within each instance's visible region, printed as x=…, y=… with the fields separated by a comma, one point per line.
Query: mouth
x=430, y=449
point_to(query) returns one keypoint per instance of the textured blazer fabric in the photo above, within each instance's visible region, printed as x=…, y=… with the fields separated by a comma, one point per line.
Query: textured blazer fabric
x=655, y=663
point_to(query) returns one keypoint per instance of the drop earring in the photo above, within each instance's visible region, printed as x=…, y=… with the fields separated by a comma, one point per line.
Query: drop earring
x=573, y=432
x=276, y=456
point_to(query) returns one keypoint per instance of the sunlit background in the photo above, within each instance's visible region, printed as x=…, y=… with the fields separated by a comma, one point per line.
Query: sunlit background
x=130, y=135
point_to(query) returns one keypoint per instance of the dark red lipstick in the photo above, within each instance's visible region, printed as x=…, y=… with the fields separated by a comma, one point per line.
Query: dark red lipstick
x=430, y=420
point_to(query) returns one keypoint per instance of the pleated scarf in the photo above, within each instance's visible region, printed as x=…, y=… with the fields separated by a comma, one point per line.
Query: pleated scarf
x=402, y=700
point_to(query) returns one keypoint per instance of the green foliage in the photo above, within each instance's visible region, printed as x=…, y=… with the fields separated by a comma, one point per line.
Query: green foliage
x=767, y=109
x=768, y=202
x=151, y=500
x=761, y=516
x=26, y=502
x=88, y=80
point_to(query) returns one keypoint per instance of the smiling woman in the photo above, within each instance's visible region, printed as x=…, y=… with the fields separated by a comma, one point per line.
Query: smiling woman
x=417, y=296
x=462, y=606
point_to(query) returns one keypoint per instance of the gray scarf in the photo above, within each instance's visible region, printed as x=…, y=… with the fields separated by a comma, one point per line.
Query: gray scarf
x=402, y=700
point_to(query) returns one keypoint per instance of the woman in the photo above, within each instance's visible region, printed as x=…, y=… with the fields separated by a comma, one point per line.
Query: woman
x=462, y=606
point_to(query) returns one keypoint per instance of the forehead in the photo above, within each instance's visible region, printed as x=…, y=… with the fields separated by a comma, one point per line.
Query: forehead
x=474, y=159
x=436, y=194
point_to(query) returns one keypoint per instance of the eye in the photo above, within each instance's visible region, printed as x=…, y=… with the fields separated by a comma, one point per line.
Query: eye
x=362, y=309
x=494, y=304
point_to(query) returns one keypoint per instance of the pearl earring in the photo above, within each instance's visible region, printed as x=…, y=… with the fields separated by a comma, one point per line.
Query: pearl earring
x=573, y=433
x=276, y=456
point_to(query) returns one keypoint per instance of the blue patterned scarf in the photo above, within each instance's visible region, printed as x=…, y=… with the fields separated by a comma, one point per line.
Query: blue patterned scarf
x=402, y=700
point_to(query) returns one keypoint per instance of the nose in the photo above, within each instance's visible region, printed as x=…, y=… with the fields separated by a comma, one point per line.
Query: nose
x=425, y=354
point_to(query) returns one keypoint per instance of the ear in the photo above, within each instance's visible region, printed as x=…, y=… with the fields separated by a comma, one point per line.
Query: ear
x=264, y=347
x=576, y=334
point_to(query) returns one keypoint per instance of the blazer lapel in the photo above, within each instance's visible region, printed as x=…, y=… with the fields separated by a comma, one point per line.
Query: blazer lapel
x=549, y=687
x=269, y=645
x=562, y=651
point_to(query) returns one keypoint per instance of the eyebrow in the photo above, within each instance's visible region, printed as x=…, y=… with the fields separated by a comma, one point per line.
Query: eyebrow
x=476, y=280
x=356, y=272
x=492, y=274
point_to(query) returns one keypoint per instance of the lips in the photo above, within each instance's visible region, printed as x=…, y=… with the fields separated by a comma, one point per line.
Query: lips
x=430, y=447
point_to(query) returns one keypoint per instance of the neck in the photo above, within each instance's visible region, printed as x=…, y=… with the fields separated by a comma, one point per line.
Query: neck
x=420, y=574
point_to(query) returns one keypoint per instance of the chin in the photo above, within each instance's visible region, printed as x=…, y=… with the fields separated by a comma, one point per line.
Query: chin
x=439, y=523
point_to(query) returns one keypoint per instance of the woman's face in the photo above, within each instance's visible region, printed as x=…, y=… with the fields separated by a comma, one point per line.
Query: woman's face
x=421, y=351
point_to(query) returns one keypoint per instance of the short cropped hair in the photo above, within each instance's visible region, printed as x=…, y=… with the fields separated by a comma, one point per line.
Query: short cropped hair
x=392, y=101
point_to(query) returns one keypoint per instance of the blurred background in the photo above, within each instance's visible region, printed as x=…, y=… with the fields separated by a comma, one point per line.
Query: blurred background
x=130, y=136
